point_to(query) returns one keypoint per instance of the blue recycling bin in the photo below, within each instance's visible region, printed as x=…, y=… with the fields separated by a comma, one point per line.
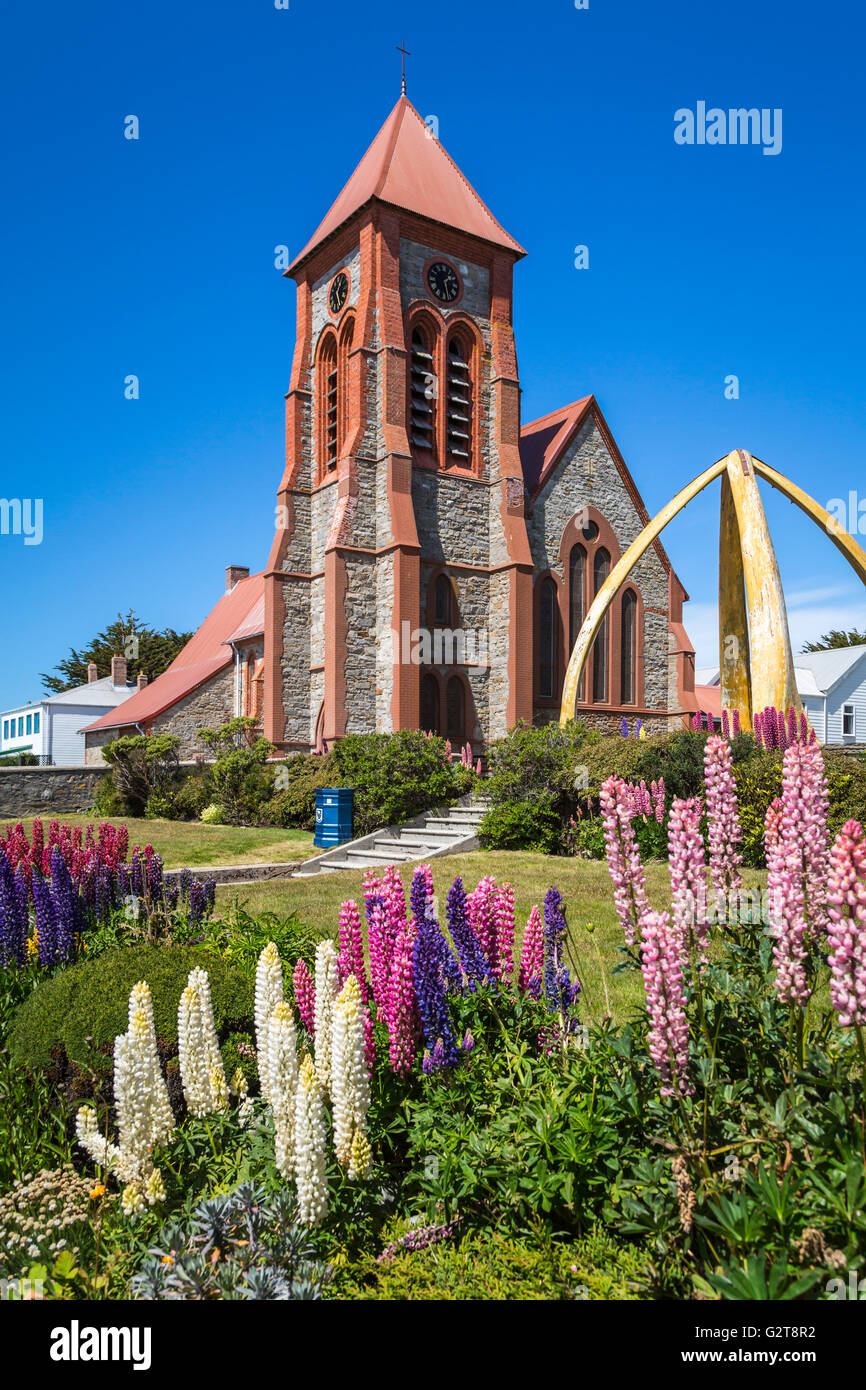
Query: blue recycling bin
x=333, y=816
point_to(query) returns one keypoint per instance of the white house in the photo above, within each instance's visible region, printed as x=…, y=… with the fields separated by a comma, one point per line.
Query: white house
x=50, y=728
x=831, y=684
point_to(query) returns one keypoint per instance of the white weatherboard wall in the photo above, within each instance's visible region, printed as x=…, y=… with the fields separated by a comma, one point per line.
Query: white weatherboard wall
x=66, y=744
x=850, y=690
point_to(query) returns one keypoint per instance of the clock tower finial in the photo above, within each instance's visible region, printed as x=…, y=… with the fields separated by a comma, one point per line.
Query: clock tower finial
x=406, y=54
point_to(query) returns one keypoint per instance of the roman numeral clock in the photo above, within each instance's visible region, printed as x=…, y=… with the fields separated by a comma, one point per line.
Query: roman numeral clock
x=443, y=281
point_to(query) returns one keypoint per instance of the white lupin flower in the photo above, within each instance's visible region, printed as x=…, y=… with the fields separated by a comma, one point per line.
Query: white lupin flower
x=144, y=1117
x=350, y=1081
x=283, y=1074
x=310, y=1141
x=327, y=984
x=201, y=1067
x=269, y=993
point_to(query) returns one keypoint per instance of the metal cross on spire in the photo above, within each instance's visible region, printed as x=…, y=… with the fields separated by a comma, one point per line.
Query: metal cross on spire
x=406, y=54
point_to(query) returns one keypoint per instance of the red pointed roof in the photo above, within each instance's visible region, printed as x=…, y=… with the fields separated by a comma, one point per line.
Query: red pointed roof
x=408, y=168
x=204, y=655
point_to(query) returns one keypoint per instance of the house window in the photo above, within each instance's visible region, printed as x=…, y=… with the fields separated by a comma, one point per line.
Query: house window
x=36, y=723
x=5, y=728
x=429, y=705
x=848, y=721
x=422, y=391
x=628, y=644
x=458, y=443
x=455, y=709
x=547, y=640
x=600, y=571
x=29, y=724
x=21, y=726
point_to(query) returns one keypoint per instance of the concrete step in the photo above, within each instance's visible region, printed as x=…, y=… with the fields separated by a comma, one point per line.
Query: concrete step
x=376, y=855
x=431, y=833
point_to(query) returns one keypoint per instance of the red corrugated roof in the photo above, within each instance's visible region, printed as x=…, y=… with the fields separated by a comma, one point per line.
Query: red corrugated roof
x=407, y=167
x=203, y=656
x=709, y=699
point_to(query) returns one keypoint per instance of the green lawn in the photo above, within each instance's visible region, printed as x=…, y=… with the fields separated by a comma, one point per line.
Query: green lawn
x=189, y=844
x=585, y=886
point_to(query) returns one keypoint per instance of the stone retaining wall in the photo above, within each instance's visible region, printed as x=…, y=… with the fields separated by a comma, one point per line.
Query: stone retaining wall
x=47, y=791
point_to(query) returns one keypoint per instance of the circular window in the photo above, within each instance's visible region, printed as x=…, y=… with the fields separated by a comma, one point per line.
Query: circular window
x=590, y=531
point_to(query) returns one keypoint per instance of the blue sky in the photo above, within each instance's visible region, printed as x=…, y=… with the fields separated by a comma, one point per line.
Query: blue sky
x=156, y=257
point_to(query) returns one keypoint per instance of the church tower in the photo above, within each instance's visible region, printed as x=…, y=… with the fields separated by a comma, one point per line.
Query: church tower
x=400, y=574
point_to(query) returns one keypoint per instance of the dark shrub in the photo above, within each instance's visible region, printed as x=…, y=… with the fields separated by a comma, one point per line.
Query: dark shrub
x=395, y=776
x=294, y=800
x=537, y=777
x=90, y=1000
x=529, y=825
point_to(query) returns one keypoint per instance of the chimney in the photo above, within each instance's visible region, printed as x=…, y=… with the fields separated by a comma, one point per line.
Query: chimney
x=92, y=672
x=142, y=680
x=234, y=574
x=118, y=670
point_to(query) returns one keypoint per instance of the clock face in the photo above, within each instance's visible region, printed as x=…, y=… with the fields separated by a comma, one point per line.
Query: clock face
x=443, y=281
x=339, y=292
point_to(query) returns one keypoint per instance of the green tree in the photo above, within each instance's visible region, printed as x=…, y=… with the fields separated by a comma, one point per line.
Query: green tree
x=837, y=638
x=146, y=650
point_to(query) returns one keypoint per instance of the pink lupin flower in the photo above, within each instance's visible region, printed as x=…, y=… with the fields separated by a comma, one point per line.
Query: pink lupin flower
x=395, y=901
x=350, y=959
x=846, y=931
x=532, y=956
x=480, y=911
x=305, y=994
x=379, y=946
x=658, y=793
x=668, y=1037
x=726, y=724
x=503, y=915
x=623, y=857
x=736, y=723
x=797, y=848
x=402, y=1008
x=688, y=876
x=724, y=834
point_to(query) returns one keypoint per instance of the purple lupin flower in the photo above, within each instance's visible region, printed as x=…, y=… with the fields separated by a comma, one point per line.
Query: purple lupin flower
x=560, y=990
x=197, y=902
x=13, y=922
x=136, y=874
x=46, y=924
x=155, y=882
x=428, y=953
x=68, y=908
x=473, y=962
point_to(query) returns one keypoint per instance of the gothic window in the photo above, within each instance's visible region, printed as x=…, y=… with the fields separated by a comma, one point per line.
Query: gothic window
x=248, y=694
x=458, y=414
x=328, y=403
x=628, y=643
x=423, y=390
x=576, y=601
x=455, y=710
x=443, y=601
x=429, y=704
x=600, y=674
x=547, y=639
x=346, y=335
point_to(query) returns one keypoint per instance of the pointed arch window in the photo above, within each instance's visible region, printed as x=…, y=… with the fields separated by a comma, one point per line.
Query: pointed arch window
x=347, y=334
x=328, y=403
x=458, y=413
x=628, y=645
x=600, y=661
x=423, y=389
x=455, y=710
x=547, y=606
x=443, y=601
x=576, y=601
x=429, y=704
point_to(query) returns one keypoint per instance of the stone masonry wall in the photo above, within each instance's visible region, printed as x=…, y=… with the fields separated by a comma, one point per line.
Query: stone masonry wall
x=207, y=707
x=48, y=791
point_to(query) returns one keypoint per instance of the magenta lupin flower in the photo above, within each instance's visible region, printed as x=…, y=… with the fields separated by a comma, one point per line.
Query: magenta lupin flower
x=846, y=931
x=736, y=723
x=724, y=834
x=623, y=857
x=726, y=724
x=350, y=959
x=532, y=956
x=792, y=726
x=379, y=946
x=503, y=913
x=395, y=901
x=305, y=994
x=480, y=911
x=758, y=730
x=668, y=1037
x=688, y=876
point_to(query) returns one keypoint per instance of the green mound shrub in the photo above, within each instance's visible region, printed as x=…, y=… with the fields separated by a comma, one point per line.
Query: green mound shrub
x=294, y=800
x=395, y=776
x=90, y=1000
